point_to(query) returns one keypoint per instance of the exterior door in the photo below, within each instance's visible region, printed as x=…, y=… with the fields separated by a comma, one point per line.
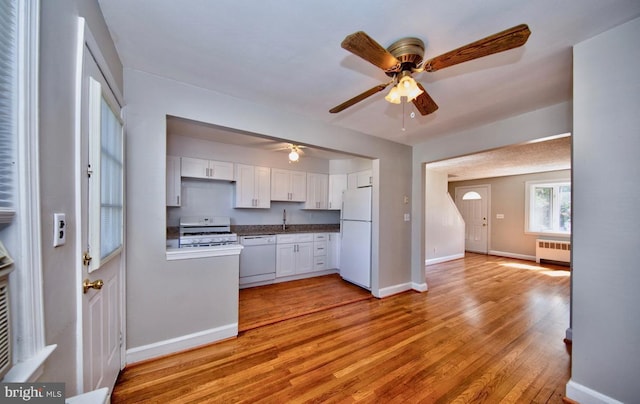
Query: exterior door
x=100, y=289
x=473, y=204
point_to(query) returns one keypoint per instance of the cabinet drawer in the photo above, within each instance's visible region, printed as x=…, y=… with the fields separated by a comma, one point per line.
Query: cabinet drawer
x=320, y=236
x=320, y=263
x=319, y=248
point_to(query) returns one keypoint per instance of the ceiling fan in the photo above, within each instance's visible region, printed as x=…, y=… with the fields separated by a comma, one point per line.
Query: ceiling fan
x=405, y=57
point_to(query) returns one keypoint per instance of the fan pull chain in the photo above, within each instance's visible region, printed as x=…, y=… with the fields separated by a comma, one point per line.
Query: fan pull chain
x=402, y=99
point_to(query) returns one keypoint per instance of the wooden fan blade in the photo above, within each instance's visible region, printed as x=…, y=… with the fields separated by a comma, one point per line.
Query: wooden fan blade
x=502, y=41
x=424, y=103
x=359, y=98
x=361, y=44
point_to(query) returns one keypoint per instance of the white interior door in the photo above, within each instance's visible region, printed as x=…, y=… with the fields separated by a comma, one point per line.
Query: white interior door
x=473, y=204
x=101, y=291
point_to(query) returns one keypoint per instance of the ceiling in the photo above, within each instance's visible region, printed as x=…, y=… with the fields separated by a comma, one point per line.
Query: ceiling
x=287, y=54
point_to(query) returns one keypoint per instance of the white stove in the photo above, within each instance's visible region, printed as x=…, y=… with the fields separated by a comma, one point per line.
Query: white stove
x=206, y=231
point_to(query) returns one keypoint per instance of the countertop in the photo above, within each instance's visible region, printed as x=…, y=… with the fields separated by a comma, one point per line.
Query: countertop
x=252, y=230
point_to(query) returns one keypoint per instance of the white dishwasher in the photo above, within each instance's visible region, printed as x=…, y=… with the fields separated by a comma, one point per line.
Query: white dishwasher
x=257, y=259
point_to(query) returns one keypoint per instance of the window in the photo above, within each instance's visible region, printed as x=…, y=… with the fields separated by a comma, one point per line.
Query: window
x=106, y=189
x=548, y=207
x=8, y=110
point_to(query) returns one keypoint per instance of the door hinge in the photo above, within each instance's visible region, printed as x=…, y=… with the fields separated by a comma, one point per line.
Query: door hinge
x=89, y=171
x=86, y=258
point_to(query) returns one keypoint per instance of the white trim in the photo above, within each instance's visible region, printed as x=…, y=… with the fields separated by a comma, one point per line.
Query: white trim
x=182, y=343
x=392, y=290
x=78, y=201
x=203, y=252
x=432, y=261
x=419, y=287
x=513, y=255
x=585, y=395
x=100, y=396
x=29, y=313
x=30, y=369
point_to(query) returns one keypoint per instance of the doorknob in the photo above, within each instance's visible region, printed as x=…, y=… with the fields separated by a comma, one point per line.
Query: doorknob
x=87, y=284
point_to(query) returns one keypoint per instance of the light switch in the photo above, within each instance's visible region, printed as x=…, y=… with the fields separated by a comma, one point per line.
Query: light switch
x=407, y=217
x=499, y=215
x=59, y=229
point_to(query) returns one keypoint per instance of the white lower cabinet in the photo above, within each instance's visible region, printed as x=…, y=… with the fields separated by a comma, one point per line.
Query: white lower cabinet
x=333, y=250
x=294, y=254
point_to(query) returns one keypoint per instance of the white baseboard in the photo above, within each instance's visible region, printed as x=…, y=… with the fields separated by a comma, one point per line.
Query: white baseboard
x=181, y=343
x=585, y=395
x=513, y=255
x=419, y=287
x=438, y=260
x=392, y=290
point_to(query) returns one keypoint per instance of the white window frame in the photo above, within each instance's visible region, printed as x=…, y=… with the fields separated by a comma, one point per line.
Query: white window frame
x=529, y=185
x=29, y=350
x=96, y=96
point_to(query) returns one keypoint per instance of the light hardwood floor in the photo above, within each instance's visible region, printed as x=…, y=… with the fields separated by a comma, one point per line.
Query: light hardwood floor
x=488, y=330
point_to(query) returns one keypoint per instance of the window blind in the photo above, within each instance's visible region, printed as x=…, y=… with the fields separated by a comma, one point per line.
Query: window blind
x=8, y=102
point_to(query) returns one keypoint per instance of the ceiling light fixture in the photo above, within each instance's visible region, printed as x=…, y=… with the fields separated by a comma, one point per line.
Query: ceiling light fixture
x=294, y=154
x=406, y=87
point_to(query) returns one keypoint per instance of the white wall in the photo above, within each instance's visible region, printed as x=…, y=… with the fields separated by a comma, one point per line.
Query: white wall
x=606, y=191
x=444, y=226
x=58, y=31
x=153, y=316
x=552, y=120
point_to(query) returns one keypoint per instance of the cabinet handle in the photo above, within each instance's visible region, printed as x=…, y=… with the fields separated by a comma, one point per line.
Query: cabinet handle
x=178, y=199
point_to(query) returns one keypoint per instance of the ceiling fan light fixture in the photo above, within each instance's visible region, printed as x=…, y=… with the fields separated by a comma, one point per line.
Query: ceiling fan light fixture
x=409, y=88
x=393, y=96
x=294, y=155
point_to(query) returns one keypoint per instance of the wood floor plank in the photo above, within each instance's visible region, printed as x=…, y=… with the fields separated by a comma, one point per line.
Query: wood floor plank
x=489, y=329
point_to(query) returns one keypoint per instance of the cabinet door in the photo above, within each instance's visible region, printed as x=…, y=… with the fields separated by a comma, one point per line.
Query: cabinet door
x=173, y=181
x=337, y=184
x=333, y=251
x=298, y=187
x=285, y=260
x=304, y=258
x=364, y=179
x=280, y=184
x=245, y=185
x=262, y=188
x=221, y=170
x=317, y=186
x=194, y=168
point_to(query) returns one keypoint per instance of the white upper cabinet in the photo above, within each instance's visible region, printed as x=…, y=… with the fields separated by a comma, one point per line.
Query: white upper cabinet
x=207, y=169
x=287, y=185
x=337, y=184
x=360, y=179
x=253, y=186
x=317, y=189
x=173, y=181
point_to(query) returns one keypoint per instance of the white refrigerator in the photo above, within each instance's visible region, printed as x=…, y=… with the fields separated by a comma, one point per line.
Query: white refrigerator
x=355, y=228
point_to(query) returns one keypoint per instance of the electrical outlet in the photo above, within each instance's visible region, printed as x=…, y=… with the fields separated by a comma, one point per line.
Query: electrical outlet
x=59, y=229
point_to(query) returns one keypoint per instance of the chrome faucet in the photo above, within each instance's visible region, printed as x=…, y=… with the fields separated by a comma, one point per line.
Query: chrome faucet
x=284, y=219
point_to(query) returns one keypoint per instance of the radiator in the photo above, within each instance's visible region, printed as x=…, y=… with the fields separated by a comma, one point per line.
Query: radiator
x=553, y=250
x=5, y=327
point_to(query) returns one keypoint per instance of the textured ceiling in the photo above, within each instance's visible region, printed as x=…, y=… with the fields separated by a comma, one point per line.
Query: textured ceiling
x=549, y=155
x=286, y=54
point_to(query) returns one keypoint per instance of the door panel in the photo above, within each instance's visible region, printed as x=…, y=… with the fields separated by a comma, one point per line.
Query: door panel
x=473, y=202
x=101, y=320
